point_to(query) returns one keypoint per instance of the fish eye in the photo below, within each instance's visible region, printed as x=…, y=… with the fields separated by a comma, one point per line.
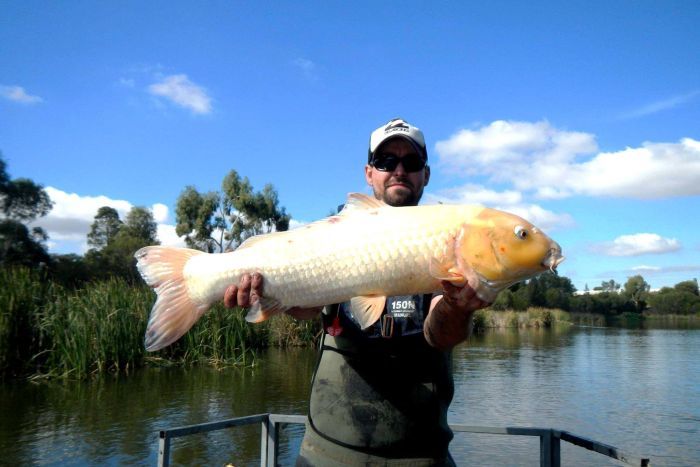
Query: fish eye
x=521, y=232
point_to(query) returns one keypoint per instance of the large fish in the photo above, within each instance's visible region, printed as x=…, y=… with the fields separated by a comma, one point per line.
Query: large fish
x=365, y=253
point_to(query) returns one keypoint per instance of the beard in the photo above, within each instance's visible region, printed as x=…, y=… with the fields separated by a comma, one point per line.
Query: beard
x=398, y=196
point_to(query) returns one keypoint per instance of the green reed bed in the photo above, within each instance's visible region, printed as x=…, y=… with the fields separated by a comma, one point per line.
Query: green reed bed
x=94, y=329
x=22, y=294
x=532, y=317
x=47, y=330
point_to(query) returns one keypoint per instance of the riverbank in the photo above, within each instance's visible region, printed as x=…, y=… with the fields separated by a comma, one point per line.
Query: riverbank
x=51, y=331
x=536, y=317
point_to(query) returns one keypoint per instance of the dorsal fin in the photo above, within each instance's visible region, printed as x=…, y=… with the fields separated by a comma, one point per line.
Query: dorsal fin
x=251, y=241
x=358, y=201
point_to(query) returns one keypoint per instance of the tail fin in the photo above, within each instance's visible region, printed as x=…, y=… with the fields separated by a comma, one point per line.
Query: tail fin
x=174, y=312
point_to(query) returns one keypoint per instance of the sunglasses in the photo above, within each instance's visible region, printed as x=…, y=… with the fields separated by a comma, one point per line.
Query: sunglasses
x=387, y=162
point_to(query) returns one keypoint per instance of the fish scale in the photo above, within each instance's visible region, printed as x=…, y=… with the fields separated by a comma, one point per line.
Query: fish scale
x=331, y=261
x=367, y=252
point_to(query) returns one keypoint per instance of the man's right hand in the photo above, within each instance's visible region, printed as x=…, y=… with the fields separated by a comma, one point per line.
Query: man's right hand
x=249, y=291
x=245, y=293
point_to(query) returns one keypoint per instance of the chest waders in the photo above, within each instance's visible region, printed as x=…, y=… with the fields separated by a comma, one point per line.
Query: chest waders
x=384, y=391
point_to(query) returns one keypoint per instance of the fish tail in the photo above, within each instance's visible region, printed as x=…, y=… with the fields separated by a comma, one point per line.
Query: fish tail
x=174, y=312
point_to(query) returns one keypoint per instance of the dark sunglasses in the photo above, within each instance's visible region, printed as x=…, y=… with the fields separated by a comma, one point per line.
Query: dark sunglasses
x=387, y=162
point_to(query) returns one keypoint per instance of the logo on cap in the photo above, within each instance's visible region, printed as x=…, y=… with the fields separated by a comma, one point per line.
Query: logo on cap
x=396, y=125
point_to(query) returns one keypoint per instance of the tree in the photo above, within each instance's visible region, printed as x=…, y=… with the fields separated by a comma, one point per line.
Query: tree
x=20, y=246
x=637, y=290
x=21, y=201
x=690, y=286
x=674, y=301
x=104, y=228
x=221, y=221
x=194, y=213
x=114, y=242
x=70, y=270
x=140, y=224
x=608, y=286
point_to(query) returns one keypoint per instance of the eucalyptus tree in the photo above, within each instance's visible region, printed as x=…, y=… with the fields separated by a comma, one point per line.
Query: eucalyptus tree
x=114, y=241
x=21, y=202
x=220, y=221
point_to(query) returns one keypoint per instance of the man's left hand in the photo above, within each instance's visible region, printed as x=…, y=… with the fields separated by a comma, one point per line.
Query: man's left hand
x=462, y=298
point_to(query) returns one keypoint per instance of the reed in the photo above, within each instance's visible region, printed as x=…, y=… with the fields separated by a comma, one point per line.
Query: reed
x=285, y=331
x=95, y=329
x=51, y=331
x=22, y=292
x=532, y=317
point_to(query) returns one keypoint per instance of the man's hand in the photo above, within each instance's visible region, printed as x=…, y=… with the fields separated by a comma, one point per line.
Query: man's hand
x=450, y=319
x=461, y=298
x=249, y=291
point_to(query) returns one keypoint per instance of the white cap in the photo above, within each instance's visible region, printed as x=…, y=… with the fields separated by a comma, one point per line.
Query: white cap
x=397, y=128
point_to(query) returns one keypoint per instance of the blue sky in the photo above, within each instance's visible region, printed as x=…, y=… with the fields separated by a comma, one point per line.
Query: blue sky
x=582, y=116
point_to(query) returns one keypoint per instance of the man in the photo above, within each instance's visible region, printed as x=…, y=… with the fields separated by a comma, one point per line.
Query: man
x=380, y=395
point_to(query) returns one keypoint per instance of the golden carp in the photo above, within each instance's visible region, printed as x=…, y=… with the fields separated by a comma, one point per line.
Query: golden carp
x=367, y=252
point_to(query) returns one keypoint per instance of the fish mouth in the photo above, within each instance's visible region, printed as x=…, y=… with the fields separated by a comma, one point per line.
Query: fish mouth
x=553, y=258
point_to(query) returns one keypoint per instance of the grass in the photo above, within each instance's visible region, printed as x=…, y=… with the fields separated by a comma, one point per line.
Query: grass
x=49, y=331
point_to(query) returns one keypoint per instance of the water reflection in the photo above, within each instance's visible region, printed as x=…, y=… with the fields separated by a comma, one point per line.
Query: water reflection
x=115, y=420
x=638, y=389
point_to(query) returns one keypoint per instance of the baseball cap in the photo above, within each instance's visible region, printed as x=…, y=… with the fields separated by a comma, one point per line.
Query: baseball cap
x=397, y=128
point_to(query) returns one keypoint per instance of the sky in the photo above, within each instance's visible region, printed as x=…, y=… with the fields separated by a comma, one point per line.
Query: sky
x=583, y=116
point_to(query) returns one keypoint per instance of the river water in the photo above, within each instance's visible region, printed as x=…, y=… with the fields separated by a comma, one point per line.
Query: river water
x=638, y=390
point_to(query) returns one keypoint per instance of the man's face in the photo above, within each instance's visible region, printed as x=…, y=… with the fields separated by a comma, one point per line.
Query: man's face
x=397, y=187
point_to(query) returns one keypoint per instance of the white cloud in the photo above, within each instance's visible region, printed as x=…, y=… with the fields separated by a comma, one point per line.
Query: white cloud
x=127, y=82
x=539, y=159
x=638, y=244
x=475, y=194
x=69, y=221
x=656, y=270
x=308, y=68
x=18, y=94
x=183, y=92
x=168, y=237
x=645, y=269
x=295, y=224
x=543, y=218
x=160, y=212
x=510, y=201
x=661, y=105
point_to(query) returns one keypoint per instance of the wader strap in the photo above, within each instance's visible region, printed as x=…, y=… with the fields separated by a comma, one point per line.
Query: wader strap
x=387, y=327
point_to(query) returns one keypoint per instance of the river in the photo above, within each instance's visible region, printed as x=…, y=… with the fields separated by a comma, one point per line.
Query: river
x=637, y=389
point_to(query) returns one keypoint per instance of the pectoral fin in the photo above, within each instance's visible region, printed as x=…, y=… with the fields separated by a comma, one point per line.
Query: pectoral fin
x=447, y=272
x=367, y=309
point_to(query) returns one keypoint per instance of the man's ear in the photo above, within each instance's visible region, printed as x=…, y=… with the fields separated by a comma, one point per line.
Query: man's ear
x=427, y=175
x=368, y=174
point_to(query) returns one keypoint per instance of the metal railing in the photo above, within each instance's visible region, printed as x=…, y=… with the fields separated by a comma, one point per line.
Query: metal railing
x=550, y=450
